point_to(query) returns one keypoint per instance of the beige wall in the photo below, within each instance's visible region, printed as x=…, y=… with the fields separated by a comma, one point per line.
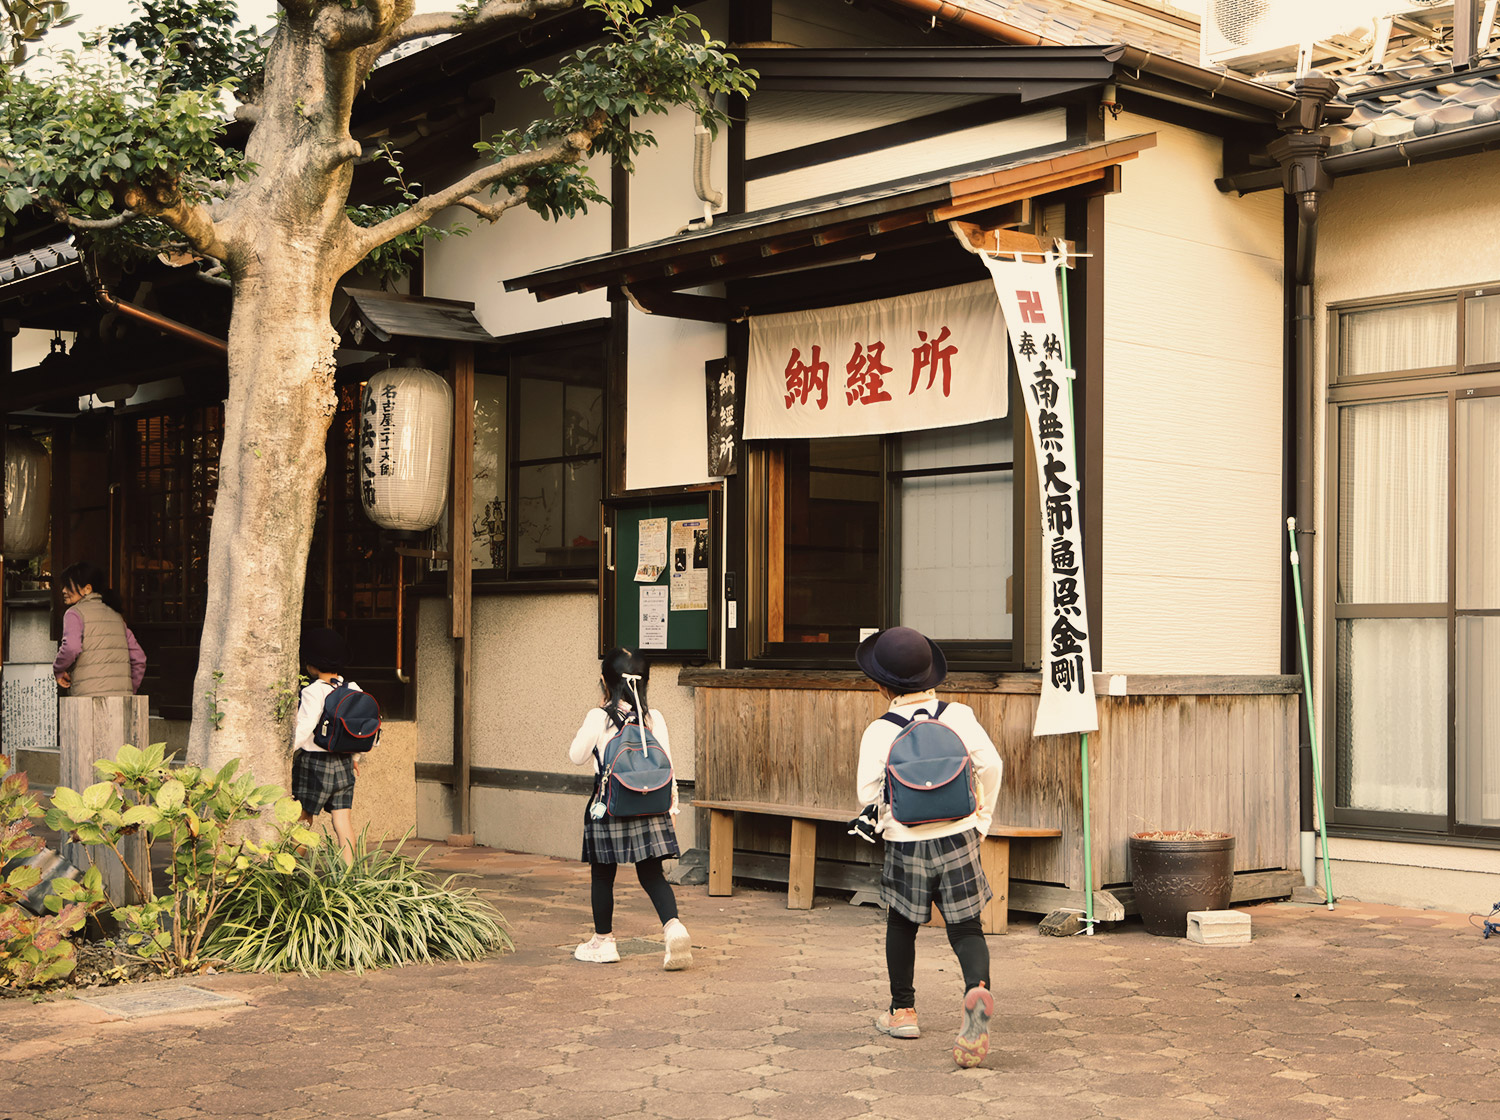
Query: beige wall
x=1423, y=876
x=536, y=674
x=1192, y=415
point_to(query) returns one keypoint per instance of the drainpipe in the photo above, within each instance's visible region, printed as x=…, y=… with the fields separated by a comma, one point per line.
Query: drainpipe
x=160, y=322
x=1300, y=153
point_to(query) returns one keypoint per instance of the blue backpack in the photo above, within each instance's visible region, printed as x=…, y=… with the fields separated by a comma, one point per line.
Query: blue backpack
x=635, y=772
x=929, y=776
x=350, y=723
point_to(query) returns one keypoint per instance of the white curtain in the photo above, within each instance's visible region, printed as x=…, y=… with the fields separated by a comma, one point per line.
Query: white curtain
x=1393, y=714
x=1393, y=502
x=1477, y=683
x=1482, y=330
x=1392, y=339
x=956, y=533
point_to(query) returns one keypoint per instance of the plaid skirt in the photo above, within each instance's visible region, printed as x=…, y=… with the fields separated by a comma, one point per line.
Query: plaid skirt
x=627, y=839
x=946, y=870
x=322, y=781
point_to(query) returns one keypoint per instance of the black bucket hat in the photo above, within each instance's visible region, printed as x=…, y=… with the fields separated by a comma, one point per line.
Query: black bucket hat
x=903, y=659
x=324, y=649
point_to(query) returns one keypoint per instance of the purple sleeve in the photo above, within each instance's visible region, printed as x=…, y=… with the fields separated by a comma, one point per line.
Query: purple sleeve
x=137, y=661
x=72, y=642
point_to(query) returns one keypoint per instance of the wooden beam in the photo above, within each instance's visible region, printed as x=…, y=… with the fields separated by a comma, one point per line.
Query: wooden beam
x=460, y=587
x=678, y=305
x=983, y=201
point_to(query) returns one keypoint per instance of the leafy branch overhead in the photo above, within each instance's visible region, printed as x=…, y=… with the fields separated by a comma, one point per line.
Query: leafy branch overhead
x=126, y=140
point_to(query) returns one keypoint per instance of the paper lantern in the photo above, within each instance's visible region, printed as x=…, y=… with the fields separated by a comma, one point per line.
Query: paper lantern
x=28, y=497
x=405, y=448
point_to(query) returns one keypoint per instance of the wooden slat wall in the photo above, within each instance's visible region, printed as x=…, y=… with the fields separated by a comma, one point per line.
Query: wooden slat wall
x=1172, y=760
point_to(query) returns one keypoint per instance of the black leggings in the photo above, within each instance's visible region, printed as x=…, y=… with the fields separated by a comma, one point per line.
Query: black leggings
x=967, y=939
x=602, y=892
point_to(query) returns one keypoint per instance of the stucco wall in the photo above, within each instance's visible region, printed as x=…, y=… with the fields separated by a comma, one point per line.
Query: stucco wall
x=1193, y=531
x=536, y=674
x=1424, y=876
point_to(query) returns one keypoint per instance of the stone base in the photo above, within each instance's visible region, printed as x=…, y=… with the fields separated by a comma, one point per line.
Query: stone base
x=1218, y=927
x=1061, y=923
x=461, y=840
x=1311, y=896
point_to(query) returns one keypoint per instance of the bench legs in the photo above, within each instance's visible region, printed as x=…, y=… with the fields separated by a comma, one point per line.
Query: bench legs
x=994, y=857
x=799, y=883
x=720, y=852
x=800, y=870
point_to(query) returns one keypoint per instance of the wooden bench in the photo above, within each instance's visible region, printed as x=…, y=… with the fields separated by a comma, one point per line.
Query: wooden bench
x=994, y=854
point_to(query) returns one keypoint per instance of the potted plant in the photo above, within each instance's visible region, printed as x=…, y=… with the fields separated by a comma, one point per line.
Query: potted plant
x=1176, y=872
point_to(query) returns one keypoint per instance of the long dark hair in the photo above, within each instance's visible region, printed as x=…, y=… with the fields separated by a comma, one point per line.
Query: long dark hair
x=83, y=574
x=620, y=663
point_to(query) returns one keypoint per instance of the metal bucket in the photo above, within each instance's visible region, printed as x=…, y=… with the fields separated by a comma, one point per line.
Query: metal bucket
x=1175, y=876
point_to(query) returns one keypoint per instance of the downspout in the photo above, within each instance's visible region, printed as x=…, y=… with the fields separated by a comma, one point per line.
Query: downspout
x=160, y=322
x=1300, y=152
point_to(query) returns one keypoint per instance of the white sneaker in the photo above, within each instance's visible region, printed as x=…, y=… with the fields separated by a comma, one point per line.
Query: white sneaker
x=679, y=946
x=598, y=950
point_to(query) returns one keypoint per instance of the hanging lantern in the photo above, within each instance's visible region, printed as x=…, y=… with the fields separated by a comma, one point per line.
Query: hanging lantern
x=405, y=448
x=28, y=497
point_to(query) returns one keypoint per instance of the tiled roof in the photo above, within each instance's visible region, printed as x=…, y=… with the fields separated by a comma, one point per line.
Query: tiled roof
x=33, y=262
x=1416, y=94
x=1083, y=23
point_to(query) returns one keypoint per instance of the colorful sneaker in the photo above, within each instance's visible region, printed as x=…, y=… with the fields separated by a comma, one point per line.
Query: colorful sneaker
x=973, y=1041
x=899, y=1023
x=679, y=947
x=598, y=950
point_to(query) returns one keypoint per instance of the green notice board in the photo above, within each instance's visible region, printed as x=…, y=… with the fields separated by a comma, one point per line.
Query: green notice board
x=689, y=633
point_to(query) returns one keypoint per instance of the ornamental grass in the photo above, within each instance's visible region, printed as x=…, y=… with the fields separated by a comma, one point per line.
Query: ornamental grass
x=381, y=910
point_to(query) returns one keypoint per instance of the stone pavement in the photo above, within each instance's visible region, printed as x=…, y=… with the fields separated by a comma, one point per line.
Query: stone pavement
x=1367, y=1012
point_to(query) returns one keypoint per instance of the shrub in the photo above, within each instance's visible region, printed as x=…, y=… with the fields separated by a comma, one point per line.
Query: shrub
x=380, y=910
x=35, y=950
x=205, y=816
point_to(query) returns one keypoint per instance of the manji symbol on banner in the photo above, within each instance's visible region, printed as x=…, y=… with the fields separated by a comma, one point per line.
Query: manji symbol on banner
x=1033, y=318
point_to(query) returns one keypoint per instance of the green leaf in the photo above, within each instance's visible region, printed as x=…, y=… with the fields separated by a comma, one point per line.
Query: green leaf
x=22, y=879
x=285, y=863
x=142, y=814
x=288, y=810
x=98, y=795
x=17, y=199
x=171, y=795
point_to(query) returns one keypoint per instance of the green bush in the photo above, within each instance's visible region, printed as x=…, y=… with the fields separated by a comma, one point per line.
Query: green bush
x=35, y=950
x=380, y=910
x=206, y=816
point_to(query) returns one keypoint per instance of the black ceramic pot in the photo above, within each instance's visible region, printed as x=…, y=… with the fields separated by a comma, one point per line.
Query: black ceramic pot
x=1175, y=876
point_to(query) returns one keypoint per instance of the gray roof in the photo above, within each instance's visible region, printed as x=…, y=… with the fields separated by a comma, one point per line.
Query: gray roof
x=1417, y=94
x=1083, y=23
x=34, y=262
x=388, y=315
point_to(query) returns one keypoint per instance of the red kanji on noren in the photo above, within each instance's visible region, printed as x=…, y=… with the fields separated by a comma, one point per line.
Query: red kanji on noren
x=1031, y=307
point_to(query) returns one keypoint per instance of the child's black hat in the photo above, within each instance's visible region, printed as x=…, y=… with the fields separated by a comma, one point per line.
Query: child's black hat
x=324, y=649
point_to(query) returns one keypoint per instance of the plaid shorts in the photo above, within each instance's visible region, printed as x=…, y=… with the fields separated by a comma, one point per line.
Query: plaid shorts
x=945, y=870
x=323, y=782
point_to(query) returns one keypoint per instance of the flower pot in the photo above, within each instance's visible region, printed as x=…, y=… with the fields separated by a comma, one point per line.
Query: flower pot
x=1177, y=872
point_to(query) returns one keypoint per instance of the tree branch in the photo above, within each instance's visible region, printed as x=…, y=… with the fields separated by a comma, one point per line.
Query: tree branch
x=192, y=220
x=491, y=211
x=348, y=29
x=495, y=11
x=60, y=212
x=565, y=149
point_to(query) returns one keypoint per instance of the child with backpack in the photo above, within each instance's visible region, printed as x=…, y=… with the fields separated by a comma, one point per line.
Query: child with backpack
x=629, y=814
x=323, y=779
x=929, y=774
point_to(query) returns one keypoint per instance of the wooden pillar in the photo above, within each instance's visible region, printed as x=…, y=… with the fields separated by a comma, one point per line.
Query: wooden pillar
x=460, y=589
x=803, y=865
x=720, y=852
x=91, y=728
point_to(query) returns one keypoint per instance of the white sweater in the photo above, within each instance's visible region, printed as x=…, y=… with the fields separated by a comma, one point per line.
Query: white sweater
x=875, y=746
x=598, y=729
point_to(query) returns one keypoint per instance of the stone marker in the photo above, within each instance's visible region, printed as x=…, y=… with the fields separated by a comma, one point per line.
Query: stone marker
x=1218, y=927
x=136, y=1001
x=1061, y=923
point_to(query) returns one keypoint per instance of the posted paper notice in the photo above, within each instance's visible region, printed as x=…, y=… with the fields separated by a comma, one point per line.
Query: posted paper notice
x=654, y=617
x=651, y=559
x=689, y=554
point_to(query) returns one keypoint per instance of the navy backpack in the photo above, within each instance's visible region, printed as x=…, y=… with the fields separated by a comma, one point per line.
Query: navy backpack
x=350, y=723
x=929, y=776
x=636, y=774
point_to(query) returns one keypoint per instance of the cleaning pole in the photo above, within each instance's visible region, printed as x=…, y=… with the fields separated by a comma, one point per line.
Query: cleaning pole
x=1312, y=721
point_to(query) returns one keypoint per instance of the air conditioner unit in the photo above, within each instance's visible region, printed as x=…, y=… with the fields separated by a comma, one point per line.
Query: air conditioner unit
x=1257, y=36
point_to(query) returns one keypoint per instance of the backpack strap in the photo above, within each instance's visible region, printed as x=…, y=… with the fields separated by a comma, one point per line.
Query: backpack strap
x=899, y=721
x=903, y=721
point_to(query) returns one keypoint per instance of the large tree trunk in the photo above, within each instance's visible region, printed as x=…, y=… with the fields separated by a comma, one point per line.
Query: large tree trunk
x=288, y=242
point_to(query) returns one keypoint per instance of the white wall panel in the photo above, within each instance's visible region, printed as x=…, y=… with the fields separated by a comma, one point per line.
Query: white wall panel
x=662, y=198
x=666, y=429
x=952, y=149
x=1192, y=416
x=781, y=120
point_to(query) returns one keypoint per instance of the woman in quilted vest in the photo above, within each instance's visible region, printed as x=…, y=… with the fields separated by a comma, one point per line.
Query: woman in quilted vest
x=99, y=656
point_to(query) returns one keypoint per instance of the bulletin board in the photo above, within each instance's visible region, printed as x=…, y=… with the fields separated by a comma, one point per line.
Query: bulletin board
x=689, y=575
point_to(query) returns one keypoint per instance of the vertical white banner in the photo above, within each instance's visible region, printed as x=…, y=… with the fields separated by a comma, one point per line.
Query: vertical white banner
x=1033, y=315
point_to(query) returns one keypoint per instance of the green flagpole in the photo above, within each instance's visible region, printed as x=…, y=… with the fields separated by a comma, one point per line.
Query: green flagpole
x=1312, y=723
x=1083, y=742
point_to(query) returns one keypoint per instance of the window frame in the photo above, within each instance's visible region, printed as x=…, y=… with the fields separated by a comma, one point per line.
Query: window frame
x=1453, y=383
x=499, y=360
x=965, y=655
